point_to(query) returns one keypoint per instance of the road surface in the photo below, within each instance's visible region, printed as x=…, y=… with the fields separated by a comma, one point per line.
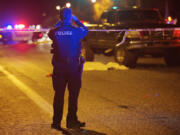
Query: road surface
x=113, y=101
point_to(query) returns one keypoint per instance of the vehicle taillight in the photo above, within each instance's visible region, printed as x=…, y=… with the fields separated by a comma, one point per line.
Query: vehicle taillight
x=176, y=34
x=40, y=35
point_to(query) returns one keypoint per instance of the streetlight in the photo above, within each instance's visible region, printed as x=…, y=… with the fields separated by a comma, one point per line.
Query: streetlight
x=93, y=1
x=68, y=5
x=58, y=7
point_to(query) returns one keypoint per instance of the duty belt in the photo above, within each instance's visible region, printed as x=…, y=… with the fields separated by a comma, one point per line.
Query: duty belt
x=67, y=60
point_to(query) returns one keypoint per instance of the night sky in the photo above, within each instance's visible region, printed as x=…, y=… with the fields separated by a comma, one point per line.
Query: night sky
x=26, y=11
x=38, y=11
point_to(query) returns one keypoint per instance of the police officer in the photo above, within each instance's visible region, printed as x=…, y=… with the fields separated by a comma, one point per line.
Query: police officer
x=67, y=66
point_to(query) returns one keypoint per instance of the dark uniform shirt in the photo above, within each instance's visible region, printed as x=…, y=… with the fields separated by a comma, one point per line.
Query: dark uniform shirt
x=67, y=41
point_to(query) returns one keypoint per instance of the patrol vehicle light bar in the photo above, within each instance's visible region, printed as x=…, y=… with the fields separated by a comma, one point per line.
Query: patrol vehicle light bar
x=19, y=26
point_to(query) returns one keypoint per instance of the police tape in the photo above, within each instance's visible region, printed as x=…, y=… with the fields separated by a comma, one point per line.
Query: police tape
x=24, y=30
x=97, y=30
x=138, y=29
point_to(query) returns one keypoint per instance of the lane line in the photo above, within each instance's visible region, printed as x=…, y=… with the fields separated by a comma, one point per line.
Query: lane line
x=30, y=93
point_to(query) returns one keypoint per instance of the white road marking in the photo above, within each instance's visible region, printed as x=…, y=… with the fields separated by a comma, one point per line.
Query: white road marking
x=30, y=93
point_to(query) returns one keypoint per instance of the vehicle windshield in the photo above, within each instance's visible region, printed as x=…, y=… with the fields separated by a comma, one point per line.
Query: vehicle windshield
x=131, y=16
x=138, y=15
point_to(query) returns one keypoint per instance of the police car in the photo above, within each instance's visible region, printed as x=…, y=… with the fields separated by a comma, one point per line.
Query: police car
x=19, y=33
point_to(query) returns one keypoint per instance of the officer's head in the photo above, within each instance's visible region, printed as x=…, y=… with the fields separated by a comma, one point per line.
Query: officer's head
x=66, y=14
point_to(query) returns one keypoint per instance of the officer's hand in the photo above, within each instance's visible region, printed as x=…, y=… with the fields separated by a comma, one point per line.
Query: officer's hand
x=74, y=18
x=58, y=24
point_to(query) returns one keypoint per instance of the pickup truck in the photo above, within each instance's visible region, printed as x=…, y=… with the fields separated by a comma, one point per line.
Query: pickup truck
x=142, y=32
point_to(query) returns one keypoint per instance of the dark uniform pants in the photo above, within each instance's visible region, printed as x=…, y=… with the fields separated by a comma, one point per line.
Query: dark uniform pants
x=66, y=75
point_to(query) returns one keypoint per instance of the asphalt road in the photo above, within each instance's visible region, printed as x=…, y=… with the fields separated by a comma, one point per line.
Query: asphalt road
x=141, y=101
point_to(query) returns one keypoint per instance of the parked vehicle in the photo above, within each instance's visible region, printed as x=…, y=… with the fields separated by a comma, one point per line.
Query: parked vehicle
x=132, y=33
x=19, y=34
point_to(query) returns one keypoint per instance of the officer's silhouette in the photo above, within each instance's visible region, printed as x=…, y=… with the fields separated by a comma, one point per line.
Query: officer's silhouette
x=67, y=67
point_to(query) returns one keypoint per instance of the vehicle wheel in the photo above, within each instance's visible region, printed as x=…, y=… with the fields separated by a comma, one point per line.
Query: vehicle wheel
x=172, y=58
x=87, y=53
x=127, y=58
